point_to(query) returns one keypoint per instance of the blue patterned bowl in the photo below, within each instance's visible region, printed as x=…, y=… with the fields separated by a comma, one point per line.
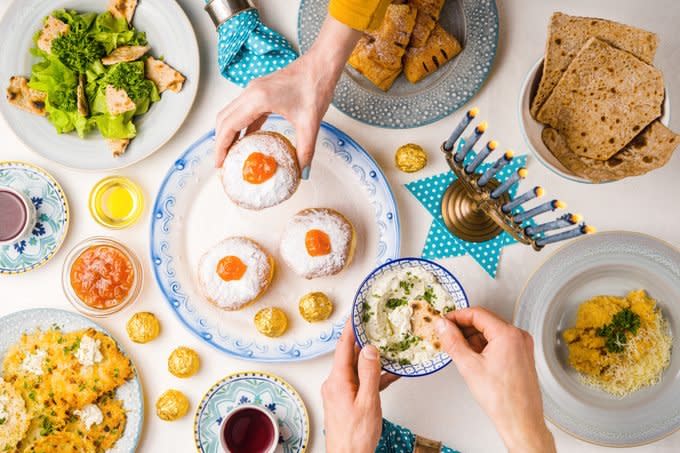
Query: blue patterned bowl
x=445, y=278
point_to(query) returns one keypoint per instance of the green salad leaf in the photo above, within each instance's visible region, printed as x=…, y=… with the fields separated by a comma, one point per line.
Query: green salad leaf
x=130, y=77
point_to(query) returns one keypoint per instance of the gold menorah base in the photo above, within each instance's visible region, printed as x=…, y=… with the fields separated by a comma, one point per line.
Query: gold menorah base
x=464, y=215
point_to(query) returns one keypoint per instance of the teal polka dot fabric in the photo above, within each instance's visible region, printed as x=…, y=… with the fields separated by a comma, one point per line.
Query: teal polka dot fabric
x=248, y=49
x=440, y=242
x=397, y=439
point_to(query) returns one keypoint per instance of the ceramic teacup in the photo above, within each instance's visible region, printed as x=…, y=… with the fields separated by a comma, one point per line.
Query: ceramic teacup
x=249, y=429
x=21, y=215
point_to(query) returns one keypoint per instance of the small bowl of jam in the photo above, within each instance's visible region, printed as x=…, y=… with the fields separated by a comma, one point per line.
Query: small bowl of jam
x=101, y=276
x=249, y=429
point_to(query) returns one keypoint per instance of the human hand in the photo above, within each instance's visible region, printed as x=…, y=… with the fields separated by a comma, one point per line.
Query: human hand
x=496, y=360
x=300, y=92
x=351, y=397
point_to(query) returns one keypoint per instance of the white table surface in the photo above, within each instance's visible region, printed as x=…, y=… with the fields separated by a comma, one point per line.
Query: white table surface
x=437, y=406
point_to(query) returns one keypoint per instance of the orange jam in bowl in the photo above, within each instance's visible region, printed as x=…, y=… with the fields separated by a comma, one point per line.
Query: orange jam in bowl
x=258, y=168
x=317, y=243
x=101, y=276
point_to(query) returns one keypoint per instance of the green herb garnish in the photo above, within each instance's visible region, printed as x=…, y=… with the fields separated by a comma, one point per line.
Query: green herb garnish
x=2, y=421
x=367, y=312
x=130, y=77
x=408, y=341
x=406, y=286
x=429, y=296
x=77, y=50
x=395, y=302
x=615, y=332
x=46, y=427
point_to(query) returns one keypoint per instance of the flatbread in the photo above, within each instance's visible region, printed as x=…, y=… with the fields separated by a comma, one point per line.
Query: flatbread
x=81, y=96
x=52, y=29
x=567, y=34
x=20, y=95
x=650, y=150
x=440, y=48
x=118, y=101
x=118, y=146
x=386, y=45
x=123, y=8
x=605, y=98
x=125, y=54
x=423, y=322
x=163, y=75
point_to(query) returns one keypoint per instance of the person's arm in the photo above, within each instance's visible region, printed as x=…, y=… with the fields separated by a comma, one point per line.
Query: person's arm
x=496, y=360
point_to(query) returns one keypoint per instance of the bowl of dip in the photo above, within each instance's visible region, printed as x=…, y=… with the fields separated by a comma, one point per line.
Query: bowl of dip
x=101, y=276
x=395, y=310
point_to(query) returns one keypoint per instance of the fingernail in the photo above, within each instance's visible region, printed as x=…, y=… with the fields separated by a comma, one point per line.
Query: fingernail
x=370, y=352
x=441, y=326
x=305, y=172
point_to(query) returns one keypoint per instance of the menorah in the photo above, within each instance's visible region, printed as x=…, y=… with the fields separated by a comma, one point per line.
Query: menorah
x=476, y=207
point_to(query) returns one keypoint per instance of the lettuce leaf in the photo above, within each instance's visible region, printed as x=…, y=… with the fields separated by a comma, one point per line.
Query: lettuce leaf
x=112, y=32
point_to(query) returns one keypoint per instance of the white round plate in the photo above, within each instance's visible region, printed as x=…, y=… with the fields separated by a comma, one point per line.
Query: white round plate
x=604, y=263
x=531, y=129
x=170, y=35
x=192, y=213
x=27, y=321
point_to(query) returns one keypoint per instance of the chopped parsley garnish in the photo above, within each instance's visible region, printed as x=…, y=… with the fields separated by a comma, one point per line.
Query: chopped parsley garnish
x=615, y=332
x=65, y=100
x=395, y=302
x=130, y=77
x=46, y=427
x=404, y=362
x=367, y=312
x=429, y=296
x=408, y=341
x=2, y=421
x=31, y=395
x=77, y=50
x=406, y=286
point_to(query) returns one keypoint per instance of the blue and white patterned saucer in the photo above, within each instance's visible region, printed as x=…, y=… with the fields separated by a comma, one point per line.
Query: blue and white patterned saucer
x=14, y=325
x=252, y=387
x=445, y=278
x=405, y=105
x=52, y=223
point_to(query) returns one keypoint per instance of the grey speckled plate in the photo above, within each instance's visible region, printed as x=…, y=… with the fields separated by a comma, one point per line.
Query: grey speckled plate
x=606, y=263
x=473, y=22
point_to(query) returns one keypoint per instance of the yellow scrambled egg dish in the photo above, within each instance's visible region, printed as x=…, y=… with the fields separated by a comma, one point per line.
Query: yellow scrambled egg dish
x=646, y=352
x=64, y=386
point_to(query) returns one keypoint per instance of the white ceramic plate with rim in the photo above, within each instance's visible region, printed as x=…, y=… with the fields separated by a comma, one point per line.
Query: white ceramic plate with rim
x=531, y=129
x=169, y=34
x=612, y=263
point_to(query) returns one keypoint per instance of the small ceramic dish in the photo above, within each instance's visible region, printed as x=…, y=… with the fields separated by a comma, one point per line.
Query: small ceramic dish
x=113, y=194
x=246, y=420
x=531, y=129
x=77, y=252
x=26, y=214
x=443, y=276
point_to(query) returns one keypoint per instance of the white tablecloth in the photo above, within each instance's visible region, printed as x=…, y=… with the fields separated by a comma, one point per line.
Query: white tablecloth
x=437, y=406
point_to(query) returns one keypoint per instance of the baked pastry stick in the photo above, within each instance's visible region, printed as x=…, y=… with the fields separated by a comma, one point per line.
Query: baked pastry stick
x=440, y=48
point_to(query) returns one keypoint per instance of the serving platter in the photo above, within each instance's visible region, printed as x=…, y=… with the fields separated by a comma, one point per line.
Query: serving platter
x=191, y=213
x=155, y=17
x=473, y=22
x=14, y=325
x=613, y=263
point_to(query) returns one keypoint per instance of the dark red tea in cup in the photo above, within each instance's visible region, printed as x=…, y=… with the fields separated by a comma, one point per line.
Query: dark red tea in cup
x=13, y=215
x=249, y=429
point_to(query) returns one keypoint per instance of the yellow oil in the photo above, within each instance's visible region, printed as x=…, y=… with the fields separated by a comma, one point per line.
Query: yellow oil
x=116, y=202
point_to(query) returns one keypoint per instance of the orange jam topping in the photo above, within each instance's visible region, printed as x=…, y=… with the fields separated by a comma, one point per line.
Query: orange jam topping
x=318, y=243
x=231, y=268
x=258, y=168
x=102, y=276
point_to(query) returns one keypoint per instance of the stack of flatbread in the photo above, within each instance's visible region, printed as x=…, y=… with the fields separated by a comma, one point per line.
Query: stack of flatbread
x=600, y=99
x=409, y=39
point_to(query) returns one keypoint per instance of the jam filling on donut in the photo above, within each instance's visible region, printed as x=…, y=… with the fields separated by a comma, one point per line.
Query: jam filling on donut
x=231, y=268
x=258, y=168
x=318, y=243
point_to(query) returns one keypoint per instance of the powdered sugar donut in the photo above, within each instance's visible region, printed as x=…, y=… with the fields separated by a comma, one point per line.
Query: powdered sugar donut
x=318, y=242
x=261, y=170
x=235, y=272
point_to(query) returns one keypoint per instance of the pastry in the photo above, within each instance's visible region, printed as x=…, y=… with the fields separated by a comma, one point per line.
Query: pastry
x=318, y=242
x=440, y=47
x=235, y=272
x=261, y=170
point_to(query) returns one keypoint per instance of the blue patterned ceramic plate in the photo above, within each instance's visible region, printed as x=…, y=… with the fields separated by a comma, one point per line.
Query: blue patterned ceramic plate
x=445, y=278
x=252, y=387
x=192, y=213
x=473, y=22
x=14, y=325
x=52, y=217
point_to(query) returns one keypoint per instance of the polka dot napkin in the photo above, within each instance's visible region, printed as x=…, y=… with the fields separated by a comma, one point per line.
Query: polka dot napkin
x=397, y=439
x=247, y=49
x=440, y=242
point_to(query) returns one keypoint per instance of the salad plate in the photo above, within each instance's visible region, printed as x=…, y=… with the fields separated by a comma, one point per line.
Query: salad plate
x=192, y=213
x=153, y=17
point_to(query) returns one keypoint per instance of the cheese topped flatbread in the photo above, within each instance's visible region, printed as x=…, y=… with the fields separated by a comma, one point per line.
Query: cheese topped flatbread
x=125, y=54
x=163, y=75
x=123, y=8
x=118, y=101
x=52, y=29
x=20, y=95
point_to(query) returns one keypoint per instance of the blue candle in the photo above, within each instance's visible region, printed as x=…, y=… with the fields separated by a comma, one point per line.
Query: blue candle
x=495, y=168
x=464, y=123
x=536, y=192
x=481, y=156
x=470, y=142
x=540, y=209
x=505, y=186
x=574, y=232
x=564, y=221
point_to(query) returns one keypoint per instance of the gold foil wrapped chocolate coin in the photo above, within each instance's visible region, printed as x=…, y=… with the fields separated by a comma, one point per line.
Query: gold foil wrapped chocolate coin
x=410, y=158
x=172, y=405
x=183, y=362
x=143, y=327
x=315, y=307
x=271, y=321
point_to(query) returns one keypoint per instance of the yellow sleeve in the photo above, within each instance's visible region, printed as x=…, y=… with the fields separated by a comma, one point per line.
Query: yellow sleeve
x=359, y=14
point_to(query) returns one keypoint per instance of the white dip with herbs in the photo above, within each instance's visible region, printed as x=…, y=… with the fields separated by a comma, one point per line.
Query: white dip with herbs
x=387, y=313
